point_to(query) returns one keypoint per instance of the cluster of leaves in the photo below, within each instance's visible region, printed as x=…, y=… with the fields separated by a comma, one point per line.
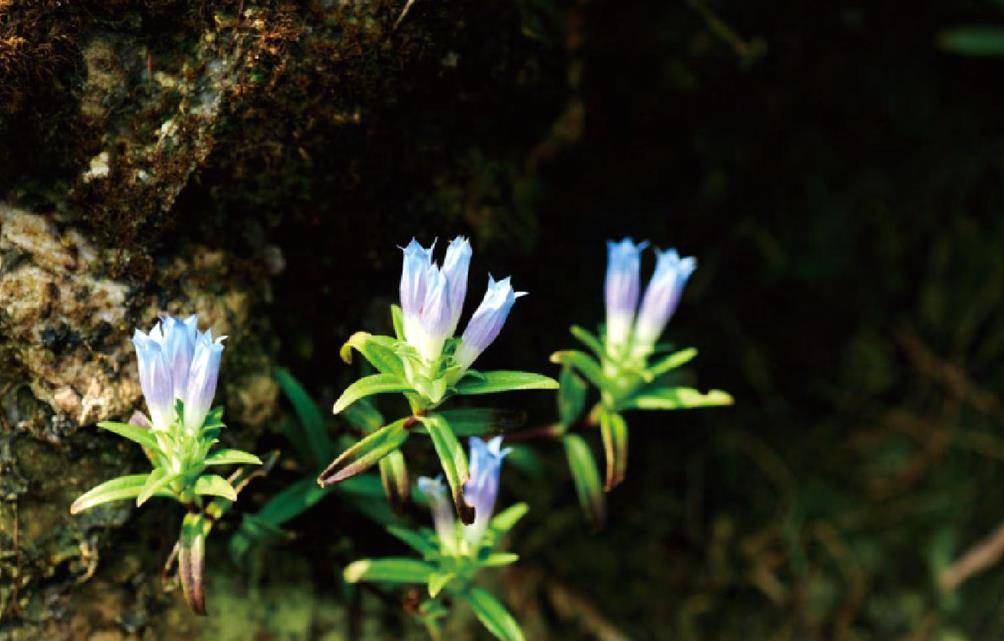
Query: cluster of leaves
x=426, y=386
x=313, y=446
x=623, y=384
x=179, y=458
x=448, y=574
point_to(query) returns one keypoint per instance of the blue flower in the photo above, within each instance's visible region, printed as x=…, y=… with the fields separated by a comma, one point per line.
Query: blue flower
x=661, y=297
x=432, y=298
x=455, y=267
x=487, y=321
x=177, y=362
x=442, y=510
x=482, y=488
x=621, y=290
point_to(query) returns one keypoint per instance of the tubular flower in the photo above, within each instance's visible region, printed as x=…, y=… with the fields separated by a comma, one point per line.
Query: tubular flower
x=177, y=362
x=487, y=321
x=432, y=298
x=661, y=297
x=482, y=487
x=442, y=510
x=621, y=290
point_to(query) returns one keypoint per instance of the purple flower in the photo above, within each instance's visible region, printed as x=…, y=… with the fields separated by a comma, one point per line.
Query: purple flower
x=442, y=510
x=661, y=297
x=455, y=268
x=432, y=298
x=482, y=488
x=621, y=290
x=487, y=322
x=177, y=362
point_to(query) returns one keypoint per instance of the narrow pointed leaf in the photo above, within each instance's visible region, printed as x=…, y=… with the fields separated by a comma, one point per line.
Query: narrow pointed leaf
x=141, y=435
x=214, y=485
x=414, y=540
x=377, y=350
x=675, y=398
x=311, y=429
x=589, y=339
x=365, y=453
x=389, y=570
x=613, y=429
x=975, y=40
x=671, y=362
x=584, y=364
x=504, y=381
x=397, y=318
x=394, y=478
x=368, y=386
x=493, y=615
x=364, y=416
x=586, y=477
x=453, y=460
x=479, y=421
x=509, y=517
x=571, y=396
x=117, y=489
x=437, y=581
x=156, y=481
x=499, y=559
x=232, y=457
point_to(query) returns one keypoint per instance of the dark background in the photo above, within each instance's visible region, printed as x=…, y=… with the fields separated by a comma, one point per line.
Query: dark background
x=836, y=173
x=839, y=179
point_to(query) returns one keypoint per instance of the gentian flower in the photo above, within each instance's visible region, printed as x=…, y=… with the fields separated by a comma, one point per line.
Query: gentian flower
x=442, y=510
x=482, y=488
x=661, y=297
x=621, y=290
x=487, y=321
x=177, y=362
x=432, y=298
x=455, y=268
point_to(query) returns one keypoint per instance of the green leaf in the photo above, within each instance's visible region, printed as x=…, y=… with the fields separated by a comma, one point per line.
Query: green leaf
x=671, y=362
x=414, y=540
x=675, y=398
x=292, y=501
x=589, y=339
x=141, y=435
x=389, y=570
x=368, y=386
x=584, y=363
x=394, y=478
x=232, y=457
x=504, y=381
x=614, y=431
x=586, y=477
x=156, y=481
x=438, y=580
x=509, y=517
x=377, y=350
x=498, y=559
x=320, y=447
x=364, y=416
x=493, y=615
x=974, y=40
x=571, y=396
x=214, y=485
x=397, y=318
x=117, y=489
x=478, y=421
x=365, y=453
x=453, y=460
